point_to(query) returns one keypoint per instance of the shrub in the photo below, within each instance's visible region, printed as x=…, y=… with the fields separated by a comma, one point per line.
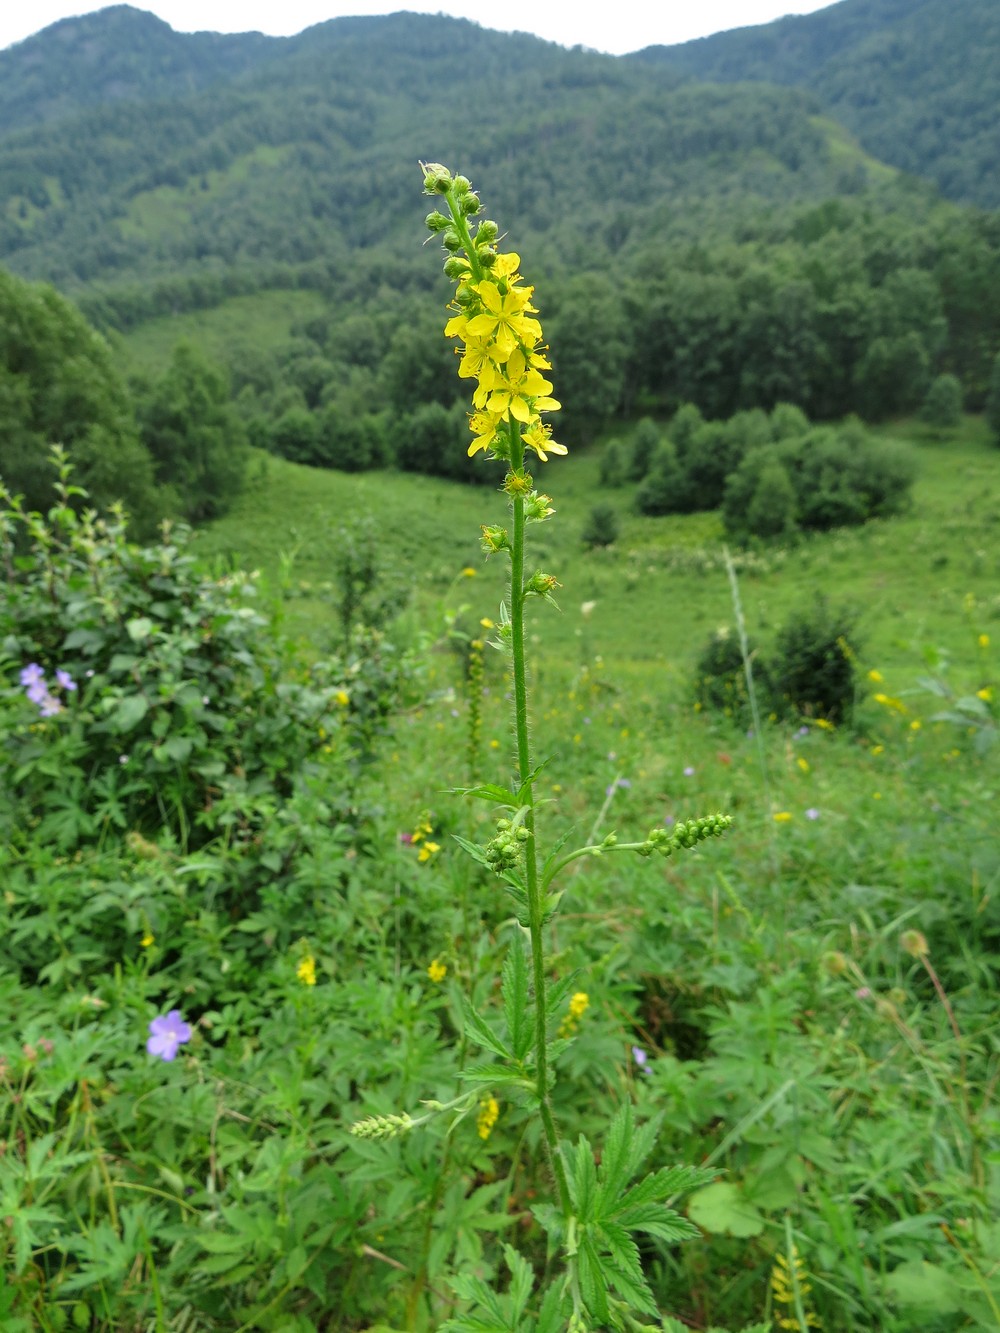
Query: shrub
x=645, y=439
x=602, y=527
x=993, y=401
x=720, y=683
x=814, y=666
x=612, y=466
x=942, y=408
x=662, y=490
x=153, y=691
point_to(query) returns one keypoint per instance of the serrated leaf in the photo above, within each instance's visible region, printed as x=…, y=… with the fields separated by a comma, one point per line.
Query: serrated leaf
x=522, y=1279
x=514, y=988
x=472, y=849
x=613, y=1175
x=593, y=1284
x=631, y=1285
x=474, y=1289
x=129, y=712
x=493, y=1073
x=488, y=791
x=481, y=1034
x=583, y=1179
x=723, y=1209
x=656, y=1219
x=925, y=1286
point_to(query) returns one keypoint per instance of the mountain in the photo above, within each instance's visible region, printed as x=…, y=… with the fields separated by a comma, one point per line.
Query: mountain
x=917, y=81
x=119, y=54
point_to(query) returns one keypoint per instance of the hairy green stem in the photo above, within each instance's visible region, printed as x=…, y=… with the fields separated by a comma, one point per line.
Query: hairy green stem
x=530, y=850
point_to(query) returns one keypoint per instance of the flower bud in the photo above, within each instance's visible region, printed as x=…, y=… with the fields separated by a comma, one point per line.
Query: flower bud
x=437, y=179
x=495, y=539
x=541, y=584
x=462, y=185
x=486, y=232
x=456, y=268
x=835, y=963
x=436, y=221
x=914, y=943
x=451, y=240
x=486, y=256
x=471, y=204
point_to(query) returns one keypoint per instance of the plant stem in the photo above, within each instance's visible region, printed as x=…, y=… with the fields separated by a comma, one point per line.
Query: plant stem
x=535, y=912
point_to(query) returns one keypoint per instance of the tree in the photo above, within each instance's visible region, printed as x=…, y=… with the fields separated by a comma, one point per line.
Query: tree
x=661, y=488
x=942, y=407
x=58, y=386
x=195, y=437
x=993, y=400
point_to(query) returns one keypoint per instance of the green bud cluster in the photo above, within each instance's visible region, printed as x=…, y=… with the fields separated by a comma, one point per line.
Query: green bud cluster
x=495, y=539
x=437, y=179
x=381, y=1126
x=504, y=851
x=684, y=834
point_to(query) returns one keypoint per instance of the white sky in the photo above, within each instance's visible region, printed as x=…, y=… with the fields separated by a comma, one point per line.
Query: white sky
x=616, y=26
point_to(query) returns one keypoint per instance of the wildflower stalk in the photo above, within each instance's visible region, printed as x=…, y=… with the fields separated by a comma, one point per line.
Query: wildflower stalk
x=535, y=913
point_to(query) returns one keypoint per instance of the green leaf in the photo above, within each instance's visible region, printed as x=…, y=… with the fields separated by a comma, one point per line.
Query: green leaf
x=722, y=1209
x=552, y=1315
x=522, y=1279
x=481, y=1034
x=473, y=849
x=583, y=1179
x=593, y=1284
x=925, y=1286
x=514, y=988
x=129, y=712
x=140, y=628
x=614, y=1171
x=488, y=792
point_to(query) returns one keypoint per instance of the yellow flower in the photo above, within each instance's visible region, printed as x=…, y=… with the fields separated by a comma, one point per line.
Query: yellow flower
x=894, y=705
x=427, y=851
x=486, y=623
x=781, y=817
x=916, y=724
x=342, y=698
x=825, y=724
x=468, y=572
x=986, y=694
x=803, y=764
x=579, y=1004
x=504, y=322
x=306, y=970
x=147, y=939
x=489, y=1112
x=878, y=749
x=437, y=971
x=876, y=677
x=984, y=640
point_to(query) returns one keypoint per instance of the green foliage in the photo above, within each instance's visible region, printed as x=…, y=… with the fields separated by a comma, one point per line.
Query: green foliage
x=603, y=527
x=662, y=489
x=942, y=407
x=613, y=463
x=178, y=719
x=813, y=667
x=993, y=401
x=58, y=385
x=720, y=682
x=644, y=442
x=196, y=440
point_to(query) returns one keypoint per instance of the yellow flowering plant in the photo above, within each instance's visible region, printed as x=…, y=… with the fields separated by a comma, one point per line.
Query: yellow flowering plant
x=596, y=1205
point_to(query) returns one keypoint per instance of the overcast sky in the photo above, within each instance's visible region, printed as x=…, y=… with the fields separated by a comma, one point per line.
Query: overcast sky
x=619, y=26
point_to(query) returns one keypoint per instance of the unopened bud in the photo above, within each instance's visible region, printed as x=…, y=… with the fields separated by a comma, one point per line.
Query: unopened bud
x=914, y=943
x=486, y=232
x=437, y=179
x=436, y=221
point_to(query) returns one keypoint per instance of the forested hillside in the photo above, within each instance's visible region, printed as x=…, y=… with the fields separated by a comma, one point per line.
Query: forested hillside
x=918, y=81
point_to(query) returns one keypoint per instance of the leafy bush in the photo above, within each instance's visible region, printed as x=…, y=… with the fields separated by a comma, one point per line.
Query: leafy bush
x=58, y=382
x=993, y=400
x=814, y=664
x=602, y=528
x=153, y=692
x=660, y=492
x=612, y=465
x=942, y=407
x=720, y=683
x=643, y=445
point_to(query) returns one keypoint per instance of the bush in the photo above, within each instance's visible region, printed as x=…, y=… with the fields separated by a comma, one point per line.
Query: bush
x=602, y=527
x=814, y=666
x=645, y=439
x=612, y=466
x=662, y=490
x=942, y=407
x=720, y=676
x=152, y=691
x=993, y=401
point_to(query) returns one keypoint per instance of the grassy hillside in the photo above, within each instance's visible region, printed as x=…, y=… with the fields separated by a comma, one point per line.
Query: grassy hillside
x=661, y=590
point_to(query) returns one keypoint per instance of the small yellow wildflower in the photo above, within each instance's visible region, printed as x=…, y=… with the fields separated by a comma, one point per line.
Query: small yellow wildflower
x=986, y=694
x=306, y=970
x=803, y=764
x=878, y=749
x=342, y=698
x=916, y=724
x=468, y=572
x=147, y=939
x=489, y=1113
x=876, y=677
x=428, y=850
x=784, y=1281
x=437, y=971
x=825, y=724
x=494, y=745
x=781, y=816
x=984, y=640
x=887, y=701
x=486, y=623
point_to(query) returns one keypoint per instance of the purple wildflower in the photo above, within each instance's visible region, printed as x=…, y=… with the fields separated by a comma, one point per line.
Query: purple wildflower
x=38, y=692
x=32, y=674
x=48, y=707
x=802, y=731
x=668, y=820
x=641, y=1059
x=65, y=680
x=812, y=813
x=863, y=993
x=168, y=1033
x=689, y=772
